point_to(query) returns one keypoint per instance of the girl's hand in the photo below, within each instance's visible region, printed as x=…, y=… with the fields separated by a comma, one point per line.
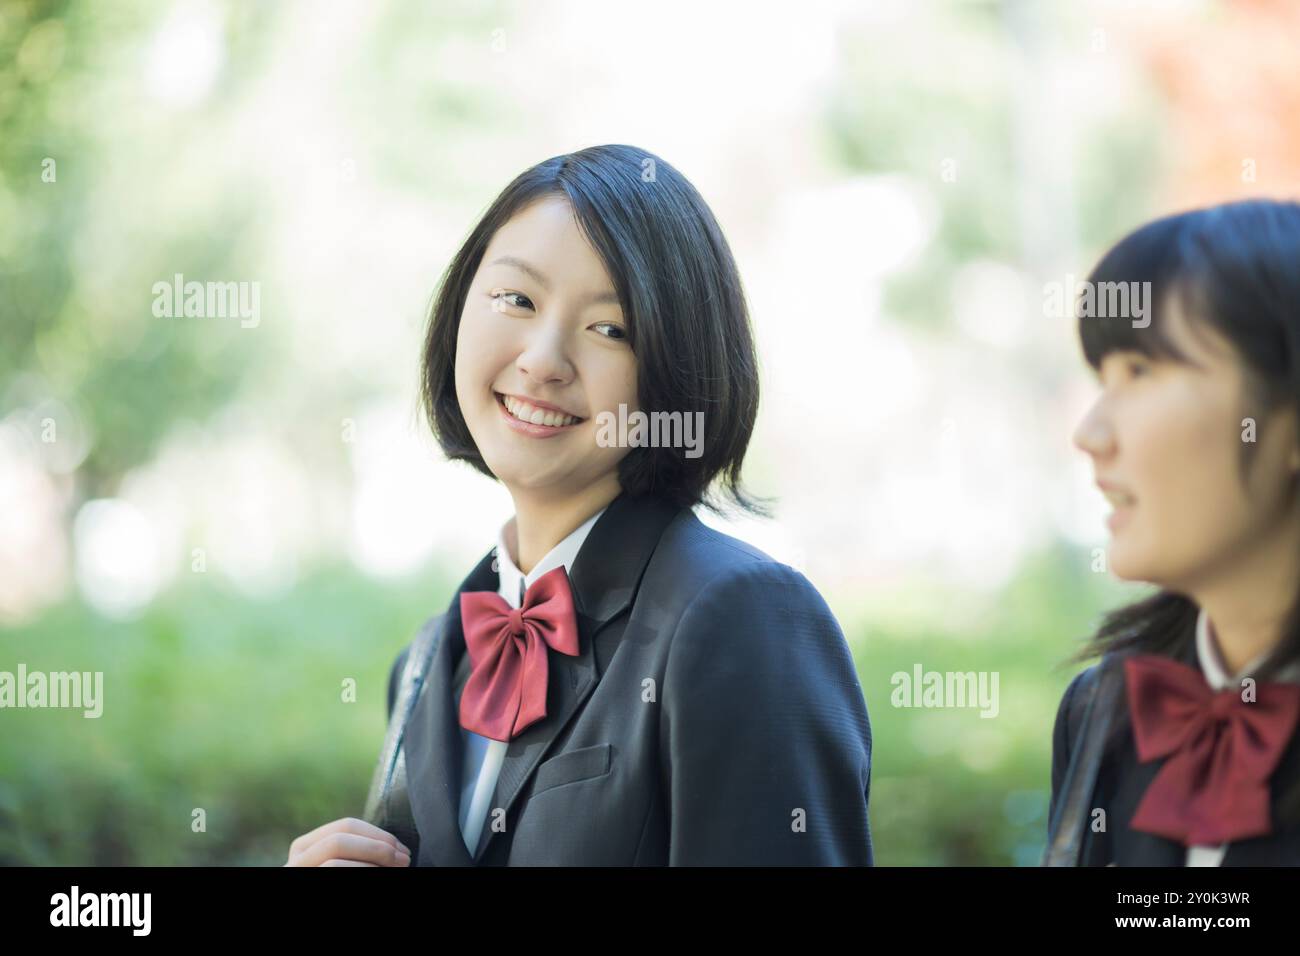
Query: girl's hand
x=348, y=842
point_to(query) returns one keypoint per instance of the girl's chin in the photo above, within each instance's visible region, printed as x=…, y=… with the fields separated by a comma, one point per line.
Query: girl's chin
x=541, y=475
x=525, y=472
x=1128, y=567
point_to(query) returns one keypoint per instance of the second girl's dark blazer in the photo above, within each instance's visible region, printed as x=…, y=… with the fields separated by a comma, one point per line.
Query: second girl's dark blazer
x=713, y=715
x=1122, y=781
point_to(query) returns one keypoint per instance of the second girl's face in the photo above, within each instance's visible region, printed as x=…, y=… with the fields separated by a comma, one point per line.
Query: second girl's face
x=1165, y=438
x=542, y=321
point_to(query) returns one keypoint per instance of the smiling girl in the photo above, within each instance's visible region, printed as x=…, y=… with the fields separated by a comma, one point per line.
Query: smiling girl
x=615, y=683
x=1180, y=746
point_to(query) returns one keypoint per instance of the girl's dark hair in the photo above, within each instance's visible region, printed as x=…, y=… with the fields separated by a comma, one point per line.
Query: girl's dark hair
x=677, y=283
x=1235, y=268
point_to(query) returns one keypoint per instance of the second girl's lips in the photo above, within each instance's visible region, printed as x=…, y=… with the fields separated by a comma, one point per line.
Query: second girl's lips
x=552, y=421
x=1116, y=494
x=1123, y=501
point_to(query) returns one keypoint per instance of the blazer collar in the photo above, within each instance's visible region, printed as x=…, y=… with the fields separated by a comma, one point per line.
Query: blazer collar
x=604, y=579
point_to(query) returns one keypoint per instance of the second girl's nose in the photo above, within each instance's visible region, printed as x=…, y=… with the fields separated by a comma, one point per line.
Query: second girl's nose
x=1094, y=433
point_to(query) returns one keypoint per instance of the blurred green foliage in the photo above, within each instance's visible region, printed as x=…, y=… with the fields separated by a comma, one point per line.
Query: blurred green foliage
x=60, y=314
x=211, y=701
x=950, y=787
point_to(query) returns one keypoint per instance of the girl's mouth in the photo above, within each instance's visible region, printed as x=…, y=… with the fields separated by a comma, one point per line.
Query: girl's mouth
x=1119, y=517
x=538, y=422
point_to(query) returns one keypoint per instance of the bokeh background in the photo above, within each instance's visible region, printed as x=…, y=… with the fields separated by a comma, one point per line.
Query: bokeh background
x=231, y=521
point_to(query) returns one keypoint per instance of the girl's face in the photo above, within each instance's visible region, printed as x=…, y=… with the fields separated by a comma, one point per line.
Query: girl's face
x=542, y=322
x=1165, y=439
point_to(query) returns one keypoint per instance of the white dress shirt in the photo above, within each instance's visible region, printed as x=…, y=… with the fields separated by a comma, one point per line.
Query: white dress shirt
x=1216, y=675
x=482, y=756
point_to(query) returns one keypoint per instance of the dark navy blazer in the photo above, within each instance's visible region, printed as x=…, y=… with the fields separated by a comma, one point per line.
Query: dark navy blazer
x=712, y=717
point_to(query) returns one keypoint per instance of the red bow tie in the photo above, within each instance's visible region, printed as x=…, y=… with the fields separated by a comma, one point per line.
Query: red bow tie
x=506, y=690
x=1213, y=789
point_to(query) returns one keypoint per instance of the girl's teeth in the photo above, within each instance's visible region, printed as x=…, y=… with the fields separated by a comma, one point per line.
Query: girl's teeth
x=537, y=416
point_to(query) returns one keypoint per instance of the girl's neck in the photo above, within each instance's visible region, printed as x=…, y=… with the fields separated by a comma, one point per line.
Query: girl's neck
x=540, y=523
x=1242, y=633
x=1249, y=600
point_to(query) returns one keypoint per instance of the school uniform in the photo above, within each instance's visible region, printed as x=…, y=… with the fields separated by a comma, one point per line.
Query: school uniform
x=1144, y=823
x=483, y=756
x=709, y=714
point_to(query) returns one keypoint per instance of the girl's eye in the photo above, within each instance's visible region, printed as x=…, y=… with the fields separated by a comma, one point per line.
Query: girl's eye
x=1135, y=365
x=618, y=333
x=505, y=297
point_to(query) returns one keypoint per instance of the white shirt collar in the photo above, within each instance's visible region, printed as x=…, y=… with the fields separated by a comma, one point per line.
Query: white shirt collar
x=514, y=582
x=1216, y=672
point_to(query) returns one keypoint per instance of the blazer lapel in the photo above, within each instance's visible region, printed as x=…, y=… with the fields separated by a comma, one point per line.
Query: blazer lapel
x=604, y=578
x=1136, y=847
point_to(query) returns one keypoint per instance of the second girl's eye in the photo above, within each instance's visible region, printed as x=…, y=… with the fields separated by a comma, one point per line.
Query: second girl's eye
x=516, y=300
x=1128, y=364
x=1138, y=366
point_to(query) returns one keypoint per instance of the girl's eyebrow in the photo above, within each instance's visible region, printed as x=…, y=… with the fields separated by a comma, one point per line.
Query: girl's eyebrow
x=603, y=298
x=523, y=267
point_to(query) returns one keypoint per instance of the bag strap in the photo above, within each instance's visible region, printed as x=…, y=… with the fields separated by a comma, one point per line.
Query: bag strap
x=1067, y=828
x=387, y=804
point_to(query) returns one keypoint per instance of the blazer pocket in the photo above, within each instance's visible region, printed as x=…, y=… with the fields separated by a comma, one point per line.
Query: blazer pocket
x=581, y=764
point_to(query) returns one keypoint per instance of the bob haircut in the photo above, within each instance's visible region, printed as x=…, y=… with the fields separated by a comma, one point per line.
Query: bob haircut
x=681, y=295
x=1233, y=268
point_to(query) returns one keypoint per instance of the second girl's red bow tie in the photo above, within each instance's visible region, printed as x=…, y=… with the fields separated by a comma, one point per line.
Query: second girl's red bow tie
x=1221, y=751
x=506, y=690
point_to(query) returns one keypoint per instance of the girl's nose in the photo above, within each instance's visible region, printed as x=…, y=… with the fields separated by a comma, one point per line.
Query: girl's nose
x=1094, y=433
x=544, y=358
